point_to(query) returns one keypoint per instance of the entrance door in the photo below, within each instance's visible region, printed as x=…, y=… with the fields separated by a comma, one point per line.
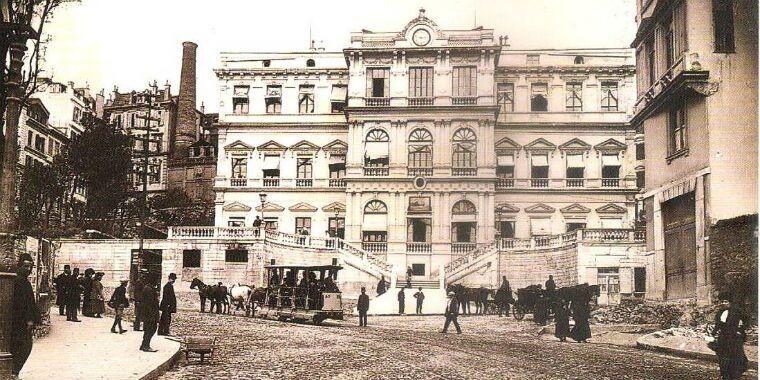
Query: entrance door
x=680, y=247
x=608, y=280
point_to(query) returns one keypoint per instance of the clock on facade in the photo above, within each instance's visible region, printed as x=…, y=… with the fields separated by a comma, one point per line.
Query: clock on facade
x=421, y=37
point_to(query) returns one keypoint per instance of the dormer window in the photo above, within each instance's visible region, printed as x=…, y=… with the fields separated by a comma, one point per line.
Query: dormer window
x=579, y=60
x=310, y=63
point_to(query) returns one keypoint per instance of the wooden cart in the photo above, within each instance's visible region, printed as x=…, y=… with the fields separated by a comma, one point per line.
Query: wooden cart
x=199, y=345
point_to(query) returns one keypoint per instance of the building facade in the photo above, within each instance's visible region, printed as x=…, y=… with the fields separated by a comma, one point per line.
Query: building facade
x=424, y=145
x=697, y=110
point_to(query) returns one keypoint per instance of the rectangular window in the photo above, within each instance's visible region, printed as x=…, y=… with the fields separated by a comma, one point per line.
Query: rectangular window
x=29, y=138
x=374, y=236
x=338, y=98
x=273, y=99
x=303, y=226
x=506, y=229
x=305, y=99
x=609, y=96
x=191, y=258
x=378, y=82
x=418, y=269
x=532, y=59
x=575, y=166
x=240, y=100
x=420, y=156
x=574, y=97
x=539, y=166
x=271, y=168
x=723, y=25
x=337, y=227
x=505, y=96
x=651, y=62
x=610, y=166
x=464, y=83
x=239, y=167
x=574, y=226
x=505, y=166
x=678, y=128
x=640, y=179
x=77, y=115
x=303, y=166
x=420, y=82
x=271, y=224
x=236, y=221
x=154, y=173
x=539, y=97
x=337, y=165
x=236, y=256
x=39, y=143
x=419, y=230
x=640, y=151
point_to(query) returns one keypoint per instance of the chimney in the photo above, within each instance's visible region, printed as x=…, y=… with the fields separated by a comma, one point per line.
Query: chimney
x=184, y=132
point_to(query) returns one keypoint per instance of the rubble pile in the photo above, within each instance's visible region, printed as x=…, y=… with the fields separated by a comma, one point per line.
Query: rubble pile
x=633, y=311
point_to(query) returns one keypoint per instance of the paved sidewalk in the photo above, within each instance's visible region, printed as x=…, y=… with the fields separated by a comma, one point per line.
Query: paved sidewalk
x=88, y=350
x=687, y=347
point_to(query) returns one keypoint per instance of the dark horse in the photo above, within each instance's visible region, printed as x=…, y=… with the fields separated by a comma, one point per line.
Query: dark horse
x=216, y=294
x=466, y=295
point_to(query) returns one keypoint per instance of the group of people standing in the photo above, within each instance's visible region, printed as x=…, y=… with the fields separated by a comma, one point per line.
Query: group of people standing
x=79, y=291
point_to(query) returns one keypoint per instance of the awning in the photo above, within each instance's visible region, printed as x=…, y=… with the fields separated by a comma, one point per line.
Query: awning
x=610, y=160
x=274, y=91
x=338, y=93
x=508, y=160
x=575, y=161
x=541, y=226
x=271, y=163
x=539, y=160
x=337, y=159
x=375, y=222
x=376, y=149
x=612, y=223
x=241, y=90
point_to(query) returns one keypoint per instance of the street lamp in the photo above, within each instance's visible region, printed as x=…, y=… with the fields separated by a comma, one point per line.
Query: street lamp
x=335, y=233
x=263, y=199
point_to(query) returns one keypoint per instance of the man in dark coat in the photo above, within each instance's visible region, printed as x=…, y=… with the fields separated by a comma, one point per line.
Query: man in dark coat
x=452, y=311
x=363, y=306
x=550, y=285
x=87, y=292
x=73, y=292
x=504, y=296
x=420, y=296
x=168, y=305
x=25, y=314
x=730, y=332
x=150, y=316
x=382, y=285
x=61, y=288
x=401, y=297
x=137, y=296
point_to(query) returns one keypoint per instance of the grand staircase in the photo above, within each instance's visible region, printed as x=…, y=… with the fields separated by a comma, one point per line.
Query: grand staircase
x=473, y=261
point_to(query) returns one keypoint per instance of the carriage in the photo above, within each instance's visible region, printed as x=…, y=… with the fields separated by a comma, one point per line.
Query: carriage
x=539, y=302
x=529, y=301
x=302, y=293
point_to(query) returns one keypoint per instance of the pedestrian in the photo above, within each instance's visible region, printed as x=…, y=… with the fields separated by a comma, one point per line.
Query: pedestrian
x=74, y=290
x=168, y=305
x=452, y=311
x=581, y=314
x=382, y=285
x=730, y=333
x=25, y=314
x=561, y=320
x=363, y=306
x=87, y=292
x=401, y=297
x=409, y=277
x=118, y=303
x=61, y=283
x=550, y=285
x=137, y=296
x=504, y=296
x=420, y=296
x=97, y=299
x=150, y=316
x=257, y=225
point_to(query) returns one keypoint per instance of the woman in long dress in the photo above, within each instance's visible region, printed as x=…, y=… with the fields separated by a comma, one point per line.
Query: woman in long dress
x=730, y=325
x=561, y=320
x=581, y=314
x=97, y=303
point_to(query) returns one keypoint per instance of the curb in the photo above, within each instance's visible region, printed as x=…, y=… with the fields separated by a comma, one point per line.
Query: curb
x=684, y=353
x=165, y=366
x=623, y=328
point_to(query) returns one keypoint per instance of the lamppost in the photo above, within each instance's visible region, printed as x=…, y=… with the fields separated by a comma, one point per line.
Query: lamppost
x=263, y=199
x=335, y=232
x=15, y=30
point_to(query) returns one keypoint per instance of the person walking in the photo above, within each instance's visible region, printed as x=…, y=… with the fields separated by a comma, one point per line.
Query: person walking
x=409, y=273
x=118, y=303
x=150, y=316
x=61, y=283
x=74, y=290
x=168, y=305
x=420, y=296
x=504, y=296
x=561, y=320
x=87, y=292
x=581, y=314
x=363, y=306
x=137, y=296
x=452, y=311
x=401, y=296
x=97, y=299
x=730, y=333
x=25, y=314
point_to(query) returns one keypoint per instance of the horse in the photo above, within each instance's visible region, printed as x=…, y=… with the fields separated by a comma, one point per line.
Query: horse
x=258, y=296
x=216, y=294
x=466, y=295
x=240, y=296
x=220, y=298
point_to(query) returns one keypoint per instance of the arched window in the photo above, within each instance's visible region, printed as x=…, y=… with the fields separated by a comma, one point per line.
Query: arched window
x=376, y=148
x=310, y=63
x=375, y=207
x=420, y=152
x=464, y=207
x=538, y=103
x=465, y=154
x=578, y=60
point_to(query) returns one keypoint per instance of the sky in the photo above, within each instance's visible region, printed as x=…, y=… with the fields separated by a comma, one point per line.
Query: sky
x=129, y=43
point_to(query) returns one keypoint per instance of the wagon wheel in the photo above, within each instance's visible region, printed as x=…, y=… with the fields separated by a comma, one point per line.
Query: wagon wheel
x=518, y=312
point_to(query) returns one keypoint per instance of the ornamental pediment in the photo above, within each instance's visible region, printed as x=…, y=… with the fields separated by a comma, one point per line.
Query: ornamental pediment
x=610, y=145
x=611, y=209
x=236, y=207
x=575, y=144
x=270, y=207
x=575, y=208
x=540, y=209
x=302, y=207
x=540, y=144
x=272, y=146
x=237, y=145
x=334, y=207
x=506, y=145
x=337, y=146
x=304, y=146
x=506, y=208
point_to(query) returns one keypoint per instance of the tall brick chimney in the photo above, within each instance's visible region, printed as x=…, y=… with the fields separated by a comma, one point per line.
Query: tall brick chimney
x=186, y=119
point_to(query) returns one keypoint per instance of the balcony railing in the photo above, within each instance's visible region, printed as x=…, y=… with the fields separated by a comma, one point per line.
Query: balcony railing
x=610, y=182
x=539, y=182
x=464, y=100
x=565, y=183
x=271, y=182
x=376, y=172
x=375, y=247
x=304, y=182
x=416, y=247
x=464, y=172
x=238, y=182
x=419, y=172
x=574, y=182
x=503, y=183
x=463, y=247
x=337, y=182
x=378, y=102
x=420, y=101
x=200, y=232
x=603, y=235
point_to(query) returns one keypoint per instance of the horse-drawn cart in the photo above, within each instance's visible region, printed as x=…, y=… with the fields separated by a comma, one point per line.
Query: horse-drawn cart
x=530, y=300
x=539, y=302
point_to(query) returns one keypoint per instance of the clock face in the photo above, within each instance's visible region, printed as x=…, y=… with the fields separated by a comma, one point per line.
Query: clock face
x=421, y=37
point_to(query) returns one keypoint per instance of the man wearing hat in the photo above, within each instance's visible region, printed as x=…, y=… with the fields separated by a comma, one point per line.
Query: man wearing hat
x=452, y=311
x=25, y=314
x=150, y=315
x=137, y=296
x=73, y=293
x=168, y=305
x=61, y=283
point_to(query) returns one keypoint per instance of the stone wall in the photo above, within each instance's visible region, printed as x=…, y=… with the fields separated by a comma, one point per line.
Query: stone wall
x=733, y=257
x=524, y=268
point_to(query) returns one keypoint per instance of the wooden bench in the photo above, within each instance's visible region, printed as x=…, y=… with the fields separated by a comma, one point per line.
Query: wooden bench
x=199, y=345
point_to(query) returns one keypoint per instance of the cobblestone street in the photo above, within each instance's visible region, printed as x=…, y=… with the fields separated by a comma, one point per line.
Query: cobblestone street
x=412, y=348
